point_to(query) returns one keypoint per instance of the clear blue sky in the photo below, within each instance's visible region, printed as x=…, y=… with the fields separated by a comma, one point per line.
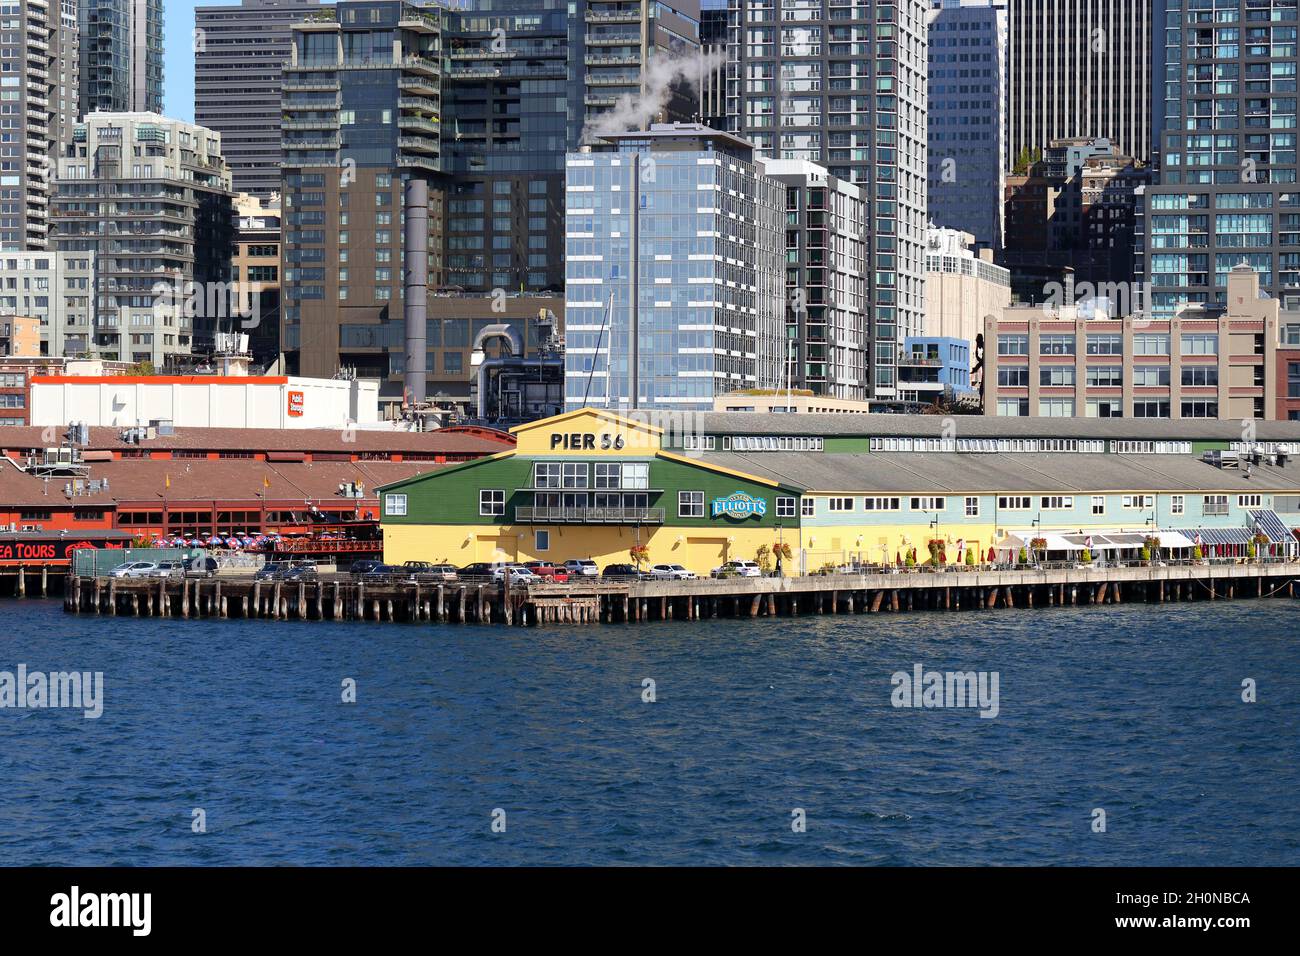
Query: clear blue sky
x=178, y=49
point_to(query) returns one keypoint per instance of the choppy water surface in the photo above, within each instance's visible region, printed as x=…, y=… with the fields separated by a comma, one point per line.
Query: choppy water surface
x=1135, y=710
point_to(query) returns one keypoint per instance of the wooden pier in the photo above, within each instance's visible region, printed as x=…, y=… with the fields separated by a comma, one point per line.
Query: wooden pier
x=598, y=602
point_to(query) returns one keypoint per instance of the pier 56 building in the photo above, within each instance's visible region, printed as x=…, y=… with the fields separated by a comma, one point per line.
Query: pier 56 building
x=701, y=489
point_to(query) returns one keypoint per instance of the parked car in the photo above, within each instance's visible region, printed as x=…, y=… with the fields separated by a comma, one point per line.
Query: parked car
x=202, y=567
x=299, y=572
x=427, y=571
x=547, y=571
x=479, y=569
x=364, y=567
x=379, y=572
x=628, y=572
x=671, y=572
x=738, y=569
x=134, y=569
x=270, y=571
x=167, y=569
x=576, y=566
x=519, y=574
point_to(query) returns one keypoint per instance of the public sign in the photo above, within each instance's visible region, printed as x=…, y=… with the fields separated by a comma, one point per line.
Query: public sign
x=739, y=505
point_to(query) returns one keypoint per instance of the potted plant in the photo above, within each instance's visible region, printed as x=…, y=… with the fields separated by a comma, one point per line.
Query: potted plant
x=782, y=552
x=764, y=558
x=1197, y=554
x=970, y=557
x=1023, y=557
x=639, y=553
x=910, y=561
x=1085, y=556
x=1261, y=543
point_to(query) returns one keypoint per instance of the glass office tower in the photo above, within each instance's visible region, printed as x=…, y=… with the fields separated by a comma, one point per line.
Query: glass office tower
x=1227, y=190
x=674, y=270
x=121, y=55
x=966, y=117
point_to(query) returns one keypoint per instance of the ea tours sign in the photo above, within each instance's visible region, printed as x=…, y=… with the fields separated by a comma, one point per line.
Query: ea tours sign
x=739, y=505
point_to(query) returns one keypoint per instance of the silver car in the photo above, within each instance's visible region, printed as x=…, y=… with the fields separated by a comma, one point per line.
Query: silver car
x=134, y=569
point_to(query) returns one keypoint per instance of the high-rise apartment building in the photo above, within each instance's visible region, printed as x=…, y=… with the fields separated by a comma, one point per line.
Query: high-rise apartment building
x=238, y=51
x=966, y=117
x=674, y=270
x=639, y=63
x=1079, y=69
x=504, y=136
x=1227, y=192
x=121, y=68
x=827, y=334
x=361, y=209
x=713, y=76
x=38, y=75
x=150, y=198
x=843, y=83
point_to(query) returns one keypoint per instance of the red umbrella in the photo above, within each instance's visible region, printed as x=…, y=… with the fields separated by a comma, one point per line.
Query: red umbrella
x=993, y=554
x=898, y=558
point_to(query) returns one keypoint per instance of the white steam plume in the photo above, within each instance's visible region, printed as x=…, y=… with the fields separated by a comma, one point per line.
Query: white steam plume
x=658, y=78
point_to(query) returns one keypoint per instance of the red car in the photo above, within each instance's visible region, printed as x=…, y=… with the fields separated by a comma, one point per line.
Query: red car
x=547, y=572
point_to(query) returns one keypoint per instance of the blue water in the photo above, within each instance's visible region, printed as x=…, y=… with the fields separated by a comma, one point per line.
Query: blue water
x=1135, y=710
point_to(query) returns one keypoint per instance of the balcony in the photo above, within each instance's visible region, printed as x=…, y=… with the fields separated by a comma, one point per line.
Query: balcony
x=419, y=84
x=620, y=16
x=323, y=20
x=418, y=21
x=420, y=103
x=306, y=83
x=420, y=64
x=419, y=144
x=419, y=123
x=419, y=162
x=589, y=515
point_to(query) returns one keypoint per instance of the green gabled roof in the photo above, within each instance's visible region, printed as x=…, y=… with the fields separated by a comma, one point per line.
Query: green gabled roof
x=437, y=472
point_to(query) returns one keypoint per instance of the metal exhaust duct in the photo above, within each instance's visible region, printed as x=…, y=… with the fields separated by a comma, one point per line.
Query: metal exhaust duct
x=415, y=247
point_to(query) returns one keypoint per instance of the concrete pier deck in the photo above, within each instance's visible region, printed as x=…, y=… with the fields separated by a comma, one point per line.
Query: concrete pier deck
x=596, y=600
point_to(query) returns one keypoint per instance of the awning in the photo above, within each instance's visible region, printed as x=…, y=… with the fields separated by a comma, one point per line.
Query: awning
x=1174, y=539
x=1055, y=541
x=1219, y=536
x=1272, y=526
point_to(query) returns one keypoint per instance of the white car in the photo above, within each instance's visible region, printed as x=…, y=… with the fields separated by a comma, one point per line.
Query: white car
x=518, y=574
x=582, y=566
x=738, y=569
x=671, y=572
x=134, y=569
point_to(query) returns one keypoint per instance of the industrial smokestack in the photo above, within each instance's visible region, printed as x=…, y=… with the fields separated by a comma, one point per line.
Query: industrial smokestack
x=415, y=246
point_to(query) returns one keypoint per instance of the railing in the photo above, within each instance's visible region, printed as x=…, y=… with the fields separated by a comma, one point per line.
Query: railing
x=561, y=515
x=1097, y=564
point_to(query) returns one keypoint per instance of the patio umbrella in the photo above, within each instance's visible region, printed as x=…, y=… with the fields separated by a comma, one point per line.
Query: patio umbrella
x=898, y=558
x=993, y=554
